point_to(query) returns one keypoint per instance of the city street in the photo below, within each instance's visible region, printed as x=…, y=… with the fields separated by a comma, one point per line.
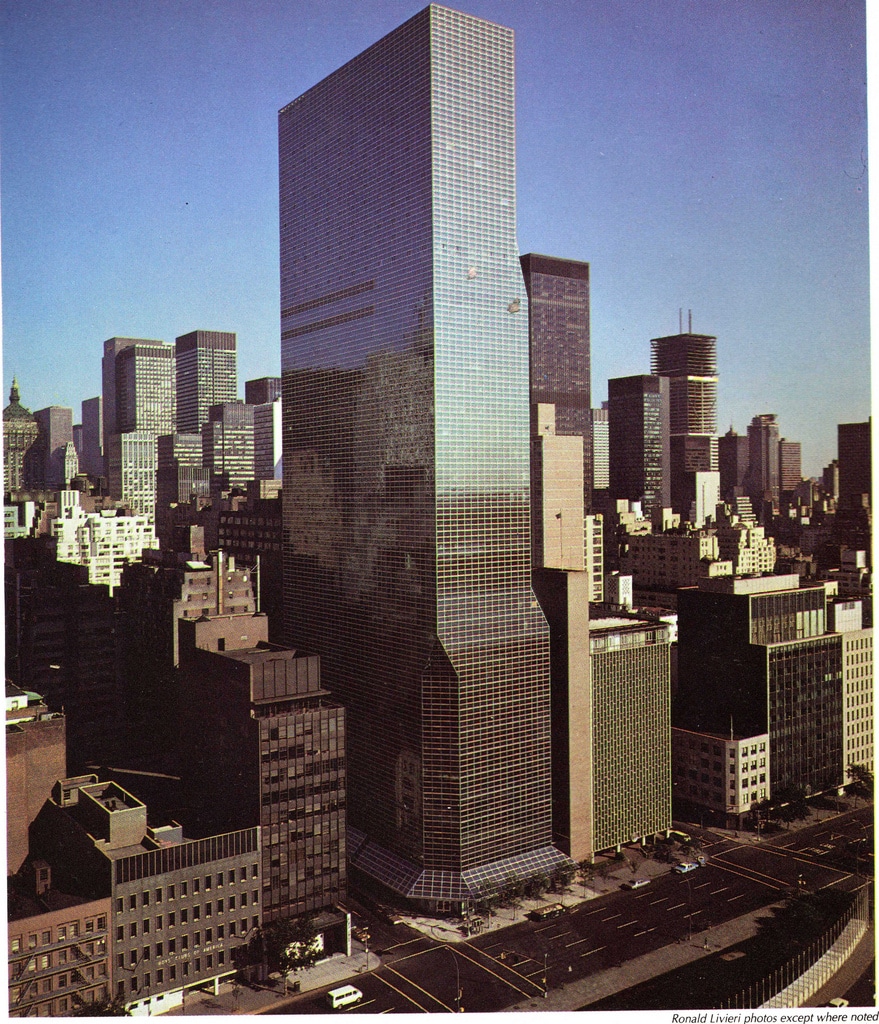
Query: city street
x=505, y=967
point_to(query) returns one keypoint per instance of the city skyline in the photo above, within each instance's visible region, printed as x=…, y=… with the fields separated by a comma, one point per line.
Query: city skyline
x=710, y=159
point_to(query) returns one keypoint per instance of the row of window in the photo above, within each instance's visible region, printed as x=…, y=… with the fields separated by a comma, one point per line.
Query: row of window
x=170, y=892
x=181, y=943
x=62, y=933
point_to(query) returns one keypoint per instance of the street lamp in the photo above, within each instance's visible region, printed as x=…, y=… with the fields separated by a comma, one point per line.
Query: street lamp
x=545, y=988
x=458, y=1007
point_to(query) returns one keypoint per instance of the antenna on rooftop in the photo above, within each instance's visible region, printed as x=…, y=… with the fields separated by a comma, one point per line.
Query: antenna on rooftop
x=690, y=328
x=680, y=320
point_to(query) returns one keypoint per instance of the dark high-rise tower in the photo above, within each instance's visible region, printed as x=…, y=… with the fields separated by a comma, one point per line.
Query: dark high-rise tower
x=406, y=453
x=855, y=461
x=207, y=374
x=638, y=435
x=690, y=363
x=558, y=322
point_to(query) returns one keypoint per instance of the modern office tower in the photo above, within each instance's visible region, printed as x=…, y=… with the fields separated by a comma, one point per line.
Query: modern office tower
x=145, y=388
x=58, y=948
x=600, y=449
x=227, y=445
x=60, y=642
x=638, y=423
x=631, y=730
x=732, y=462
x=154, y=595
x=180, y=475
x=558, y=327
x=762, y=483
x=562, y=585
x=103, y=541
x=36, y=755
x=207, y=374
x=253, y=535
x=406, y=451
x=855, y=462
x=267, y=449
x=262, y=390
x=847, y=617
x=690, y=363
x=718, y=777
x=132, y=461
x=92, y=453
x=77, y=439
x=20, y=431
x=45, y=460
x=756, y=656
x=112, y=348
x=178, y=907
x=790, y=454
x=268, y=715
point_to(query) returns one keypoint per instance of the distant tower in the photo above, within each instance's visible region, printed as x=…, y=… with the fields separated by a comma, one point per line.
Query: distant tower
x=145, y=388
x=20, y=430
x=639, y=442
x=46, y=458
x=558, y=324
x=690, y=363
x=762, y=483
x=600, y=449
x=92, y=460
x=790, y=457
x=732, y=461
x=262, y=390
x=855, y=461
x=207, y=374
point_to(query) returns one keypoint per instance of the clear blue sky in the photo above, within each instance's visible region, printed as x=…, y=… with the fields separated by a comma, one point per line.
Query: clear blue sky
x=704, y=154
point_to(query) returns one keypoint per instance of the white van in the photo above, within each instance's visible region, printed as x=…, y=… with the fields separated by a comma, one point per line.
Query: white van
x=347, y=995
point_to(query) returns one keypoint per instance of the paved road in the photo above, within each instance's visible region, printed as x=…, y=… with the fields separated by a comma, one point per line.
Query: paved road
x=503, y=968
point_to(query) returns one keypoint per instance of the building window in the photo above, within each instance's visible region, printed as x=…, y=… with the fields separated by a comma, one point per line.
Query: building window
x=159, y=895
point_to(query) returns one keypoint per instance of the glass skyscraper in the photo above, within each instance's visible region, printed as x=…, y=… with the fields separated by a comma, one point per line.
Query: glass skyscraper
x=406, y=454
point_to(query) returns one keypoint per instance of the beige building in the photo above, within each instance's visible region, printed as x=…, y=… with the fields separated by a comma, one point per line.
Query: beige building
x=722, y=775
x=747, y=547
x=594, y=537
x=666, y=561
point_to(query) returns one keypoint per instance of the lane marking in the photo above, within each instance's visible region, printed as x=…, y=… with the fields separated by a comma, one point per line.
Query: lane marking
x=693, y=913
x=399, y=993
x=494, y=963
x=577, y=943
x=663, y=900
x=628, y=924
x=612, y=917
x=714, y=892
x=702, y=886
x=731, y=898
x=591, y=951
x=676, y=906
x=420, y=989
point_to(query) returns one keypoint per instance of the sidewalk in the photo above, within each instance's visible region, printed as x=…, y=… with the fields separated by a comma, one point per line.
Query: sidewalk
x=234, y=998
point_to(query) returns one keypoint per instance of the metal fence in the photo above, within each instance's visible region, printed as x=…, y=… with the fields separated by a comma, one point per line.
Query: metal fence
x=794, y=982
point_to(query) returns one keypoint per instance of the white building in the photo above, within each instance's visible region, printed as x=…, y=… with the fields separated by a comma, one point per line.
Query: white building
x=133, y=462
x=846, y=617
x=267, y=462
x=593, y=531
x=103, y=541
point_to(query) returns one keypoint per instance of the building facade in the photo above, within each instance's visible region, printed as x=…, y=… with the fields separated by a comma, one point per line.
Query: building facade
x=262, y=391
x=132, y=463
x=763, y=481
x=600, y=449
x=228, y=445
x=638, y=430
x=732, y=462
x=756, y=655
x=267, y=445
x=207, y=374
x=44, y=462
x=854, y=450
x=558, y=325
x=145, y=388
x=269, y=716
x=180, y=474
x=847, y=617
x=20, y=431
x=92, y=456
x=406, y=454
x=631, y=730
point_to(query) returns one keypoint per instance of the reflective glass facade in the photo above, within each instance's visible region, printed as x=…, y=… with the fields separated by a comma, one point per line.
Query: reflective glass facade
x=406, y=448
x=638, y=409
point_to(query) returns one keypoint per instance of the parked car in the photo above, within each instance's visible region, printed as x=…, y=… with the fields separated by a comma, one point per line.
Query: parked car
x=682, y=869
x=679, y=837
x=636, y=883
